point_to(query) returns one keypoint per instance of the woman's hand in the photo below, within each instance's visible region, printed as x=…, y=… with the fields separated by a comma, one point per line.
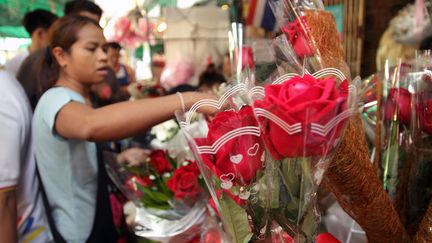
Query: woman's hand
x=133, y=156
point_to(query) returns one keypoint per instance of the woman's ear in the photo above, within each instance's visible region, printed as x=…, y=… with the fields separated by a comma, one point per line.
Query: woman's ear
x=60, y=55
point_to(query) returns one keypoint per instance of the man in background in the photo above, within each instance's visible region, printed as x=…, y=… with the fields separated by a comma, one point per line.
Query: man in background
x=21, y=207
x=36, y=23
x=84, y=8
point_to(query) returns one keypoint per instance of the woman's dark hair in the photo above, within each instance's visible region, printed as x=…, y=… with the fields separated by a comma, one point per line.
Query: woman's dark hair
x=63, y=33
x=210, y=77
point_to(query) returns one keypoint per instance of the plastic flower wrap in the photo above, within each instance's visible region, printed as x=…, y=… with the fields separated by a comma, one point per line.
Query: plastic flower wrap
x=312, y=38
x=387, y=94
x=230, y=155
x=302, y=120
x=263, y=162
x=420, y=186
x=241, y=53
x=168, y=193
x=311, y=33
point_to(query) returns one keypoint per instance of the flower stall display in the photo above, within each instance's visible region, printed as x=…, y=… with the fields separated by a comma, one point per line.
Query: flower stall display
x=350, y=175
x=265, y=152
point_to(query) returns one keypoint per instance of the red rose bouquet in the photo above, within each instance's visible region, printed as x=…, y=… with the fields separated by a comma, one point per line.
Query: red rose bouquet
x=231, y=156
x=420, y=187
x=160, y=182
x=263, y=162
x=302, y=120
x=168, y=192
x=387, y=94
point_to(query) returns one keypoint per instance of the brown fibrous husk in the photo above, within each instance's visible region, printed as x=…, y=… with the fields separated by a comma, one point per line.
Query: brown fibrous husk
x=359, y=191
x=424, y=233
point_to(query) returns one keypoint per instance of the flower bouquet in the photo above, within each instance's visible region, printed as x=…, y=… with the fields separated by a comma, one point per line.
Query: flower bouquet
x=167, y=191
x=263, y=160
x=396, y=114
x=420, y=186
x=313, y=38
x=230, y=155
x=302, y=120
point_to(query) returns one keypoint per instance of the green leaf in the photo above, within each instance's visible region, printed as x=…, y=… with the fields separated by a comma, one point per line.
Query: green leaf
x=235, y=220
x=156, y=196
x=391, y=161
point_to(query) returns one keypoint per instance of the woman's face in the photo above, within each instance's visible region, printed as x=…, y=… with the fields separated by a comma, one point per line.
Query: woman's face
x=86, y=61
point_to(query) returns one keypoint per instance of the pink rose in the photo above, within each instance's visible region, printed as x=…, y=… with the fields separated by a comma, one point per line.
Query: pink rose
x=303, y=100
x=400, y=98
x=298, y=37
x=239, y=158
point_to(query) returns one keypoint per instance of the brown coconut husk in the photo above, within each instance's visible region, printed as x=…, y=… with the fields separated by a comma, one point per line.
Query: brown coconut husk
x=424, y=233
x=351, y=176
x=359, y=191
x=325, y=38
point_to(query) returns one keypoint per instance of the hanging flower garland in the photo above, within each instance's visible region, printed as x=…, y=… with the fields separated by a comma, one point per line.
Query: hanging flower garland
x=133, y=29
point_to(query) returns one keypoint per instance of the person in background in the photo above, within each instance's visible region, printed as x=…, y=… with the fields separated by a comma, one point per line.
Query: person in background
x=210, y=79
x=107, y=92
x=84, y=8
x=36, y=23
x=65, y=123
x=21, y=209
x=125, y=75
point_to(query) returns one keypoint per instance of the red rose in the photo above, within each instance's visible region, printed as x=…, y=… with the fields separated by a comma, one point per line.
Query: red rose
x=133, y=183
x=239, y=158
x=400, y=98
x=298, y=37
x=424, y=113
x=303, y=100
x=159, y=160
x=184, y=182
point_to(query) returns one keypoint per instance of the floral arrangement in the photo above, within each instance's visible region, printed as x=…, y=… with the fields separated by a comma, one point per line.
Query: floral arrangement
x=264, y=160
x=169, y=195
x=161, y=181
x=132, y=30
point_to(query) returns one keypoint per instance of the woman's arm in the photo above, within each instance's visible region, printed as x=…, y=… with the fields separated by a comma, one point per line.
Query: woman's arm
x=120, y=120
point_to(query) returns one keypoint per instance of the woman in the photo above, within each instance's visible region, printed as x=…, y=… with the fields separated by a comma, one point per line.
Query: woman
x=65, y=126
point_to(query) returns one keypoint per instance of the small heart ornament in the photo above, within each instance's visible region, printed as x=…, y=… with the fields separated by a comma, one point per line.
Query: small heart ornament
x=252, y=151
x=236, y=159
